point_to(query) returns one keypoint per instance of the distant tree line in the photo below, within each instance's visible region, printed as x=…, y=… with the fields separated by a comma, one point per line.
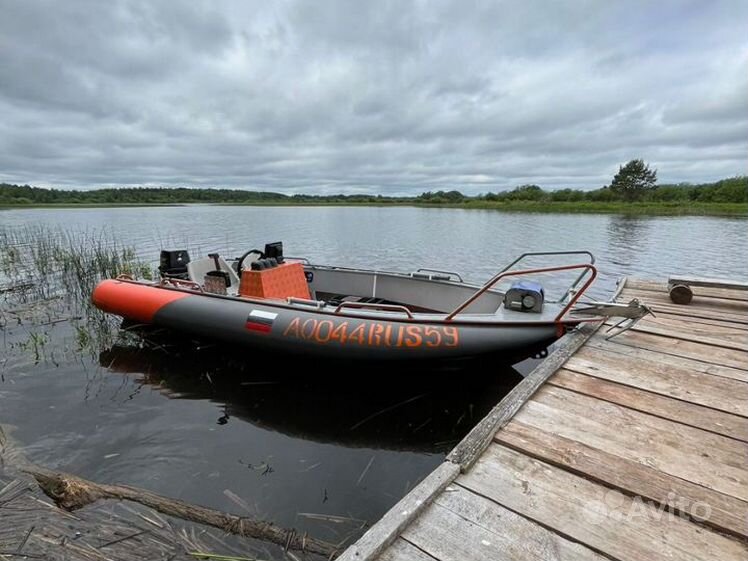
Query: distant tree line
x=732, y=190
x=19, y=194
x=633, y=182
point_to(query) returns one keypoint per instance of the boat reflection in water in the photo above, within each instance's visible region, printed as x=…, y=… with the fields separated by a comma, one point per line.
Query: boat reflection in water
x=394, y=408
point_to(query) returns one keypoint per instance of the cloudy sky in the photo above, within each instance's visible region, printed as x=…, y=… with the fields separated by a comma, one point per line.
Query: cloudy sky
x=381, y=96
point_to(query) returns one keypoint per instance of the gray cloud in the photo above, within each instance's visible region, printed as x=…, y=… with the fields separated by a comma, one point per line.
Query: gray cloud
x=387, y=96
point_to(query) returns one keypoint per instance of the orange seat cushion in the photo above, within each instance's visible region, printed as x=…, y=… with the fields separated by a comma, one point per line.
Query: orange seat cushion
x=285, y=280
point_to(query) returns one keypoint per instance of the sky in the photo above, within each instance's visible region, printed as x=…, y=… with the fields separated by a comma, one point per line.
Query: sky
x=389, y=97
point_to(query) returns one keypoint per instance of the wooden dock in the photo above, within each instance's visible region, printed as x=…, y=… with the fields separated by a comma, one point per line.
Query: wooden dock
x=634, y=448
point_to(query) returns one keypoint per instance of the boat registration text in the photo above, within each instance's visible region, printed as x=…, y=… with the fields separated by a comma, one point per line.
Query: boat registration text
x=372, y=334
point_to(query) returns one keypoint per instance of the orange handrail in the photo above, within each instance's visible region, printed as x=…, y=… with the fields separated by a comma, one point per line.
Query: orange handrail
x=499, y=276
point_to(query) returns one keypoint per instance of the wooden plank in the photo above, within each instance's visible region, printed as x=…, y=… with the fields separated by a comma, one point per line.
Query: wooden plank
x=722, y=394
x=702, y=321
x=696, y=314
x=470, y=448
x=710, y=307
x=706, y=327
x=401, y=550
x=711, y=292
x=463, y=526
x=735, y=285
x=702, y=457
x=715, y=292
x=677, y=347
x=391, y=525
x=726, y=331
x=727, y=513
x=625, y=352
x=684, y=412
x=737, y=341
x=699, y=301
x=590, y=513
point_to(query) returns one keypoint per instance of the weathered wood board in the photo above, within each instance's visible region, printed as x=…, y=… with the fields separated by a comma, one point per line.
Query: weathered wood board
x=591, y=513
x=634, y=448
x=678, y=410
x=634, y=478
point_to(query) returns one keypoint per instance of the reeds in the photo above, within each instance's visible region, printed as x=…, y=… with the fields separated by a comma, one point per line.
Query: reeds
x=46, y=279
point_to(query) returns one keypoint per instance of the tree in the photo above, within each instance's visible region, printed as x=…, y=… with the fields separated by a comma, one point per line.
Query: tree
x=526, y=193
x=633, y=180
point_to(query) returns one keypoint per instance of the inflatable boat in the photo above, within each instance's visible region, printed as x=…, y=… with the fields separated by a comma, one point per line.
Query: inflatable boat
x=266, y=302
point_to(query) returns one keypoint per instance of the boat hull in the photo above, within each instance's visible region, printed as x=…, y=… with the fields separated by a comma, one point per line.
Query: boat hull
x=269, y=327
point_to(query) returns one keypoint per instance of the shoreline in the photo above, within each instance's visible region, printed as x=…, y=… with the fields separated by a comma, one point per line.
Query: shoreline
x=636, y=209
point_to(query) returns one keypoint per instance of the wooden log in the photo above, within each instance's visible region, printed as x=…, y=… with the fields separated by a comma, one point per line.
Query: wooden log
x=71, y=492
x=680, y=294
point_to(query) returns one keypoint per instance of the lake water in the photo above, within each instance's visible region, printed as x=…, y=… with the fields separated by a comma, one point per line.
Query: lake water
x=345, y=443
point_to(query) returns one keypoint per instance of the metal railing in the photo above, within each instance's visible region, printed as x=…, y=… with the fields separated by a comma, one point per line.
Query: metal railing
x=547, y=253
x=586, y=267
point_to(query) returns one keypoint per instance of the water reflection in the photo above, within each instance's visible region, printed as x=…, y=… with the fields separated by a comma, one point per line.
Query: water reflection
x=322, y=439
x=409, y=409
x=626, y=236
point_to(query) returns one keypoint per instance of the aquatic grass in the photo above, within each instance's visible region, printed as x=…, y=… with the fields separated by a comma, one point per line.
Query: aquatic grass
x=47, y=277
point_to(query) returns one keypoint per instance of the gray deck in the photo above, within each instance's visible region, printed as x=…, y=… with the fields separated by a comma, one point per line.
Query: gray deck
x=630, y=449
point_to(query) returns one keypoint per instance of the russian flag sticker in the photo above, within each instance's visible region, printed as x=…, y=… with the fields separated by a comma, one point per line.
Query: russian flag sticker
x=260, y=321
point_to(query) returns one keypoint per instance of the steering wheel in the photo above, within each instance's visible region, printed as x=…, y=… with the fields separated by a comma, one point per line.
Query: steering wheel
x=240, y=263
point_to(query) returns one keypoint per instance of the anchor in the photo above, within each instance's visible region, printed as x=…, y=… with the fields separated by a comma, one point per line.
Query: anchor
x=631, y=313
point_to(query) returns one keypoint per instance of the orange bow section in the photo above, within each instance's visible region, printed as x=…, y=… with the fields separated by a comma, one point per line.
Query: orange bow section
x=134, y=301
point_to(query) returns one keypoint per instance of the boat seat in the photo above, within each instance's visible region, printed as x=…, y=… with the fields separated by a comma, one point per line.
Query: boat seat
x=199, y=268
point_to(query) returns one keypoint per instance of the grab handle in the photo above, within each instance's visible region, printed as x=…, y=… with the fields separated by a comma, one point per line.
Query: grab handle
x=450, y=273
x=305, y=302
x=371, y=306
x=181, y=283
